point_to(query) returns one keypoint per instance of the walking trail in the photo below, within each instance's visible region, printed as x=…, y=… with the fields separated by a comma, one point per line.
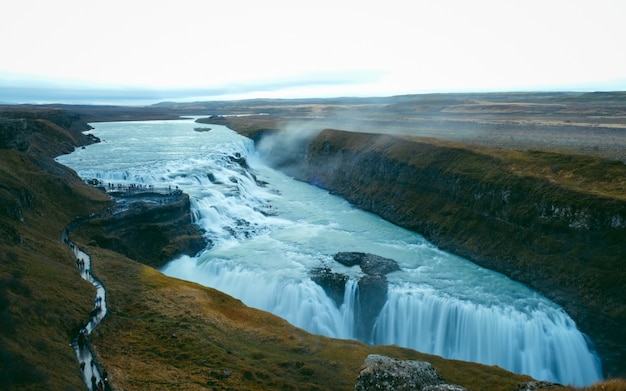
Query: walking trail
x=94, y=378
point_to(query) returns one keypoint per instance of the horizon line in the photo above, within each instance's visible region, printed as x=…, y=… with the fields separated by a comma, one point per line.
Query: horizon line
x=142, y=101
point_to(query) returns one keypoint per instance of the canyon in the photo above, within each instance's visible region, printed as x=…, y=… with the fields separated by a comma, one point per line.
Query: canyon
x=552, y=218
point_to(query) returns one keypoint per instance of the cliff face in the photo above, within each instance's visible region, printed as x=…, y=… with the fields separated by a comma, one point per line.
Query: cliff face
x=563, y=242
x=28, y=141
x=150, y=234
x=51, y=132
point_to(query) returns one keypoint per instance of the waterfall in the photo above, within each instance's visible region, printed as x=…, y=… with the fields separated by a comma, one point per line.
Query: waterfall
x=300, y=301
x=541, y=342
x=267, y=232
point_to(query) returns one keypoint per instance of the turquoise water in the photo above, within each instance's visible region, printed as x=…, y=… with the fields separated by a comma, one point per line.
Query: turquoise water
x=268, y=231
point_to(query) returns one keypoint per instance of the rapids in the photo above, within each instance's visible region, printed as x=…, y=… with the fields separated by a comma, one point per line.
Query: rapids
x=267, y=231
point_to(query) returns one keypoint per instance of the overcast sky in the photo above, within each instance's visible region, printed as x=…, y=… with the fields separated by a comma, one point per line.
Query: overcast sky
x=98, y=51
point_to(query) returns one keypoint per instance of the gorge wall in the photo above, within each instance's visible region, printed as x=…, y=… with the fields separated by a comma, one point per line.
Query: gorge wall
x=151, y=233
x=566, y=243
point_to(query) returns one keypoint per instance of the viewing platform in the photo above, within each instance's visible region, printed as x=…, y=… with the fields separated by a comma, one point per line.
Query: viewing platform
x=118, y=190
x=139, y=190
x=127, y=194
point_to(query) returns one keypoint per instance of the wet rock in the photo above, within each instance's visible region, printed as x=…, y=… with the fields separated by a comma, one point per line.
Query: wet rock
x=372, y=298
x=372, y=286
x=212, y=178
x=369, y=263
x=373, y=265
x=348, y=258
x=240, y=160
x=334, y=284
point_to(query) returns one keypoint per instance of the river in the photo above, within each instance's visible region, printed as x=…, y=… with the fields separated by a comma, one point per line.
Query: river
x=267, y=231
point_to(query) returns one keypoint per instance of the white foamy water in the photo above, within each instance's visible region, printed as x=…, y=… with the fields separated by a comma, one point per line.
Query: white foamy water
x=268, y=231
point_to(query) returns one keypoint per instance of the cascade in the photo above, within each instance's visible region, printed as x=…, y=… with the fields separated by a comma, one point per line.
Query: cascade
x=541, y=342
x=268, y=231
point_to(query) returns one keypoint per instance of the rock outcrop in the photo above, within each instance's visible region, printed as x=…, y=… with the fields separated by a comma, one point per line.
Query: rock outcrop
x=14, y=134
x=153, y=234
x=372, y=286
x=370, y=264
x=386, y=373
x=334, y=284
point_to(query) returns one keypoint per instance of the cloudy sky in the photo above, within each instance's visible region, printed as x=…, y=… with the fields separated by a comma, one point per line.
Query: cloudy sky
x=136, y=51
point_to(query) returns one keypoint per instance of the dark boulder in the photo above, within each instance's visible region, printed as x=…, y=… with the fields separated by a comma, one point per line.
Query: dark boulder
x=348, y=258
x=372, y=287
x=372, y=298
x=240, y=160
x=369, y=263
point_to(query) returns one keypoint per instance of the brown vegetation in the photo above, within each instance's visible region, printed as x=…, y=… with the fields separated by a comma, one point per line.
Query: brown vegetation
x=164, y=333
x=161, y=333
x=41, y=301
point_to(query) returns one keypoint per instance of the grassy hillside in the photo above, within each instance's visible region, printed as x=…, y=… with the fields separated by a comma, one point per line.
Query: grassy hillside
x=161, y=333
x=41, y=300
